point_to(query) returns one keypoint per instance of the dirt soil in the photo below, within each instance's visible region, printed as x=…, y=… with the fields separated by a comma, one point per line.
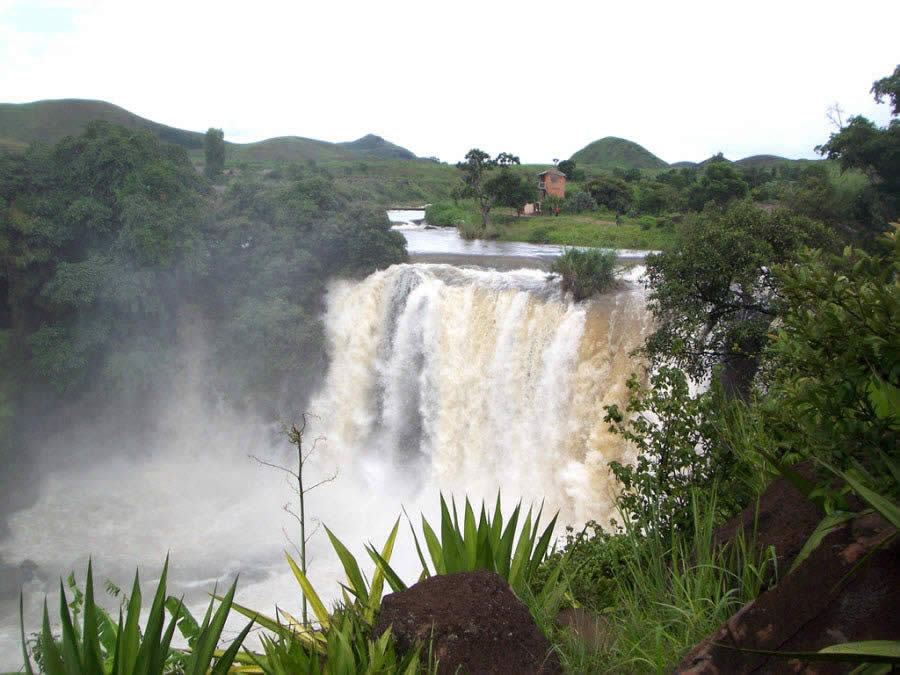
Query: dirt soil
x=476, y=621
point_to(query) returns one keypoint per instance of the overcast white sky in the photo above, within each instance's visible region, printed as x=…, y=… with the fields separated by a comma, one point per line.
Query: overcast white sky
x=684, y=79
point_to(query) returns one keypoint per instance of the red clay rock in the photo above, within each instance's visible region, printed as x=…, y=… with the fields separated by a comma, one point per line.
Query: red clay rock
x=476, y=622
x=781, y=517
x=819, y=604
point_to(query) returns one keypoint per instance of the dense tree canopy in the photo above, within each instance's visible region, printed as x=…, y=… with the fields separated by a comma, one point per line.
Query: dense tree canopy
x=109, y=240
x=714, y=294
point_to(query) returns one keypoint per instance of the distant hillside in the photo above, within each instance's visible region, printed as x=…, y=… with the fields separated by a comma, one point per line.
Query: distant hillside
x=761, y=161
x=612, y=152
x=50, y=121
x=682, y=165
x=288, y=149
x=376, y=146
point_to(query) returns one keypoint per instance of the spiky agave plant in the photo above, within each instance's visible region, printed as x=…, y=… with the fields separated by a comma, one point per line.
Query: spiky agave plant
x=101, y=646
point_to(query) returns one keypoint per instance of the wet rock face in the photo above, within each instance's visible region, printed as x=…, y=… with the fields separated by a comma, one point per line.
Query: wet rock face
x=475, y=620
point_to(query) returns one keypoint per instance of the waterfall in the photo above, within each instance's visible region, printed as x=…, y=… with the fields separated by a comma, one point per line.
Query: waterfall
x=470, y=381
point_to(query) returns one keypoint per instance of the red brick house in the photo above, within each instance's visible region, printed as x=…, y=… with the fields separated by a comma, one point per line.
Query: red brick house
x=553, y=183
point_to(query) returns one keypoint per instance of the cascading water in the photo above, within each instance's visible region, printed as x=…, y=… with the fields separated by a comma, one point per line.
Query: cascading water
x=442, y=378
x=471, y=381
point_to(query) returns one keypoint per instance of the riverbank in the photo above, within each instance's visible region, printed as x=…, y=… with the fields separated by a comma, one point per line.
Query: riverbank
x=596, y=228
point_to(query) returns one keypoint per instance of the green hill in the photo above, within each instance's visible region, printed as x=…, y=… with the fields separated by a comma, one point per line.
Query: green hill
x=761, y=161
x=376, y=146
x=50, y=121
x=288, y=149
x=612, y=152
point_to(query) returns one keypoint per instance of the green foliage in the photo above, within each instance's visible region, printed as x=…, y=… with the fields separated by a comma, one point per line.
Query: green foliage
x=720, y=184
x=446, y=214
x=674, y=435
x=889, y=86
x=101, y=645
x=835, y=359
x=876, y=151
x=613, y=193
x=585, y=272
x=510, y=189
x=506, y=189
x=673, y=591
x=110, y=240
x=343, y=641
x=579, y=202
x=568, y=167
x=713, y=294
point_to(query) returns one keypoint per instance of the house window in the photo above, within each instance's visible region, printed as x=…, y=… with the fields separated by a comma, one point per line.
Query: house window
x=552, y=179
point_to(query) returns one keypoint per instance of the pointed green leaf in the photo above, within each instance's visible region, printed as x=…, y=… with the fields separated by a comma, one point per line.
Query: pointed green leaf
x=223, y=663
x=129, y=636
x=70, y=652
x=90, y=631
x=393, y=579
x=351, y=569
x=311, y=596
x=826, y=526
x=418, y=548
x=434, y=548
x=28, y=668
x=471, y=536
x=52, y=659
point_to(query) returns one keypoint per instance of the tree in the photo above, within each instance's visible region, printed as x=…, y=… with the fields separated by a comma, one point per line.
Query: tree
x=510, y=189
x=889, y=86
x=214, y=148
x=475, y=169
x=720, y=183
x=567, y=166
x=714, y=294
x=875, y=151
x=613, y=193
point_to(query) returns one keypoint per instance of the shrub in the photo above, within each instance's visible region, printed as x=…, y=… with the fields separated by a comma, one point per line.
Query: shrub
x=580, y=201
x=585, y=272
x=540, y=235
x=647, y=222
x=446, y=214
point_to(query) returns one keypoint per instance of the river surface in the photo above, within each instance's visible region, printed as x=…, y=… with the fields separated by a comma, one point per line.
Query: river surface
x=443, y=244
x=467, y=371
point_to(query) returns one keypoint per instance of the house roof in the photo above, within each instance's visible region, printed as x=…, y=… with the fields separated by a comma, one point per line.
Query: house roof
x=554, y=171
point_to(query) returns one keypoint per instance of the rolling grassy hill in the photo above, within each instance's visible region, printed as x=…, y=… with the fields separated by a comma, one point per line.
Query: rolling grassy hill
x=612, y=152
x=50, y=121
x=762, y=161
x=288, y=149
x=376, y=146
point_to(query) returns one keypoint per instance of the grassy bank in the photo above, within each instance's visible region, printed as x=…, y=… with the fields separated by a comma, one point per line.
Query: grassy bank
x=582, y=230
x=597, y=228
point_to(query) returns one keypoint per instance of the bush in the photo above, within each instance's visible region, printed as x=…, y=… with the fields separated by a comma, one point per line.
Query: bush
x=446, y=214
x=580, y=201
x=647, y=222
x=585, y=272
x=540, y=235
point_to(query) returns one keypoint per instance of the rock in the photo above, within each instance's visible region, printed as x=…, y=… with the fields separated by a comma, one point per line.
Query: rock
x=783, y=517
x=824, y=601
x=475, y=620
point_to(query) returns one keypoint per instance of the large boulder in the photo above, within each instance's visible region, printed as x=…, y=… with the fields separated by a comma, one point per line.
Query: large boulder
x=847, y=590
x=473, y=619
